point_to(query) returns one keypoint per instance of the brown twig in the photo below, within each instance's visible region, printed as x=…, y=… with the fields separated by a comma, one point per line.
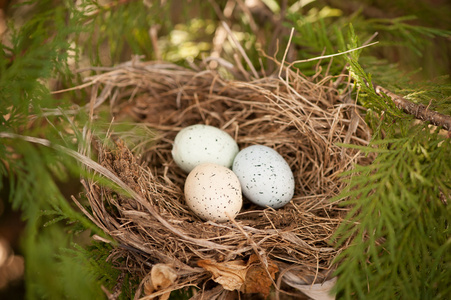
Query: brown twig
x=153, y=34
x=419, y=111
x=240, y=49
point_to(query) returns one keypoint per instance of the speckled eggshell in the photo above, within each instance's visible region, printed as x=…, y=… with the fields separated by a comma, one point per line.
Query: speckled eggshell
x=199, y=144
x=266, y=178
x=212, y=192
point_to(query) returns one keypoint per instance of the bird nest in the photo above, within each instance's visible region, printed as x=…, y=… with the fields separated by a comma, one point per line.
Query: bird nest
x=159, y=241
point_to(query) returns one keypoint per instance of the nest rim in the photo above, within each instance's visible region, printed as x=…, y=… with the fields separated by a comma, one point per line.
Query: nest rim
x=153, y=225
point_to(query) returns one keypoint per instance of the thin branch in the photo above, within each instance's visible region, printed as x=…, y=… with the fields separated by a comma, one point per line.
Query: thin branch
x=286, y=51
x=240, y=49
x=153, y=34
x=419, y=111
x=331, y=55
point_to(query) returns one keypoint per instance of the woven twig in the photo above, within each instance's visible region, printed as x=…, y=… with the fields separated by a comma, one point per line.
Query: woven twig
x=303, y=120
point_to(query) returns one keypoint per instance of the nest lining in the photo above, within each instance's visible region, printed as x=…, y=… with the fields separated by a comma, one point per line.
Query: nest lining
x=302, y=118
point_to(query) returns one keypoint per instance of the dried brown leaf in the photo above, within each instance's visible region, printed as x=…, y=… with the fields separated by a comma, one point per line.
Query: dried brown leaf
x=248, y=277
x=161, y=277
x=257, y=278
x=230, y=275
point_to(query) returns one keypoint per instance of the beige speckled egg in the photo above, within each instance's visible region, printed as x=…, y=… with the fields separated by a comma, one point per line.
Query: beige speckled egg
x=213, y=192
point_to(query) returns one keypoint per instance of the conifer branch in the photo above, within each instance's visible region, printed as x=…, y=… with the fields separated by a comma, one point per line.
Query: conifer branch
x=419, y=111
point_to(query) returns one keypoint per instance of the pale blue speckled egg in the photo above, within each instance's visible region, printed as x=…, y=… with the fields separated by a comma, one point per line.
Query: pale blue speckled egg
x=200, y=143
x=265, y=177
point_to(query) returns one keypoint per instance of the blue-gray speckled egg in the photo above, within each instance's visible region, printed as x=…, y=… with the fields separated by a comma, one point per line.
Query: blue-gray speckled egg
x=265, y=177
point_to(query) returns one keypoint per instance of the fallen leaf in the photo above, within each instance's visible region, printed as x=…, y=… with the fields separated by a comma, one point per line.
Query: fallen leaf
x=161, y=277
x=248, y=277
x=230, y=274
x=257, y=278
